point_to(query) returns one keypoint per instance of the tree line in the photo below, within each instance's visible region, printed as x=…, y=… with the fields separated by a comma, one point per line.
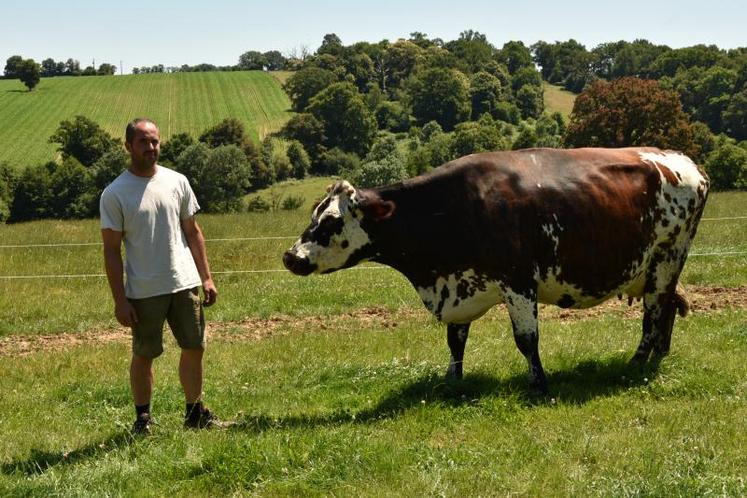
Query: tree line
x=381, y=112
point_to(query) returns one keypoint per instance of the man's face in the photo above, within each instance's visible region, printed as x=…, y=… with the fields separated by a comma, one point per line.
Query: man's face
x=145, y=146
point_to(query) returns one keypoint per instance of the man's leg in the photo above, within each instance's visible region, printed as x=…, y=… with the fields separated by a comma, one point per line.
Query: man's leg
x=141, y=379
x=190, y=374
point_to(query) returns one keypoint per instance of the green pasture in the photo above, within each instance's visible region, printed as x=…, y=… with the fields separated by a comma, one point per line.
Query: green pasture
x=178, y=102
x=249, y=272
x=344, y=393
x=558, y=99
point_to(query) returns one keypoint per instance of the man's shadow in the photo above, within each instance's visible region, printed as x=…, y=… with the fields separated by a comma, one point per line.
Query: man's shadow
x=586, y=381
x=41, y=461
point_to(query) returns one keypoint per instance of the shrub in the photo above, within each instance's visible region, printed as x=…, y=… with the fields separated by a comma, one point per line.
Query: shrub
x=727, y=167
x=292, y=202
x=299, y=159
x=335, y=161
x=257, y=204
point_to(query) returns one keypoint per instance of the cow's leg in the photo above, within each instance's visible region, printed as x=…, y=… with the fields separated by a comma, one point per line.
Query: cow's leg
x=522, y=308
x=456, y=337
x=660, y=304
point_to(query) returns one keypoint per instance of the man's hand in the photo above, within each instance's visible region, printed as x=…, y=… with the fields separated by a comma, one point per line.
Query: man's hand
x=125, y=313
x=210, y=292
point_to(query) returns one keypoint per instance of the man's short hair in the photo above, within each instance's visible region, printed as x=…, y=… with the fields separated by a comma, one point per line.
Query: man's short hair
x=130, y=130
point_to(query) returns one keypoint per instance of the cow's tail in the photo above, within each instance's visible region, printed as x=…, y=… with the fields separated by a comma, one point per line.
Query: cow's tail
x=680, y=300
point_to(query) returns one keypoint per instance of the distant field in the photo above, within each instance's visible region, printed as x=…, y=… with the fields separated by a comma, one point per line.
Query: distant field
x=557, y=99
x=178, y=102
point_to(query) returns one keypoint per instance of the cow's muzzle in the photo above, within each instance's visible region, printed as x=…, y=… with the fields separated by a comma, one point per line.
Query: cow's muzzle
x=298, y=265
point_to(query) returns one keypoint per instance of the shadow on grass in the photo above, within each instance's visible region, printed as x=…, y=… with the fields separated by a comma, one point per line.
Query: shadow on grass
x=41, y=461
x=586, y=381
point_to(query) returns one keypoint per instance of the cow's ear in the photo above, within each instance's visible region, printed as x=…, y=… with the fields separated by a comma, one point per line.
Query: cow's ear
x=379, y=209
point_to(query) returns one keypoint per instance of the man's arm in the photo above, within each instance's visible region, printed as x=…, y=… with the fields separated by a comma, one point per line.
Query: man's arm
x=123, y=310
x=196, y=242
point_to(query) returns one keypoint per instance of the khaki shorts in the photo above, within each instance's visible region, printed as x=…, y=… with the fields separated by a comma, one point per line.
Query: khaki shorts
x=183, y=311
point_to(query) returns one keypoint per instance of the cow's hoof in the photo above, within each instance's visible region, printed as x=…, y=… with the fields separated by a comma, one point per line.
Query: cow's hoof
x=454, y=373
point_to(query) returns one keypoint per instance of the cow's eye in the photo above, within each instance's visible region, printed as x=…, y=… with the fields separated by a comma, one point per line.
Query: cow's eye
x=328, y=227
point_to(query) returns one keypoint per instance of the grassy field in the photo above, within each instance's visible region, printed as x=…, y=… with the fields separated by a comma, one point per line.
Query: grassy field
x=336, y=384
x=178, y=102
x=558, y=99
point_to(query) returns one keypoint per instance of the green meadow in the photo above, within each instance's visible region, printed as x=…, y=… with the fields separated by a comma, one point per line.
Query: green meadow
x=178, y=102
x=335, y=383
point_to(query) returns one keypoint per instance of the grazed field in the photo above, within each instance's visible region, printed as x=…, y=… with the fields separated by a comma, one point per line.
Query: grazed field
x=335, y=383
x=178, y=102
x=558, y=99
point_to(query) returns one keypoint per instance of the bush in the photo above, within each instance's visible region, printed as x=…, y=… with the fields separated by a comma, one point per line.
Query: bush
x=8, y=180
x=257, y=204
x=299, y=159
x=219, y=177
x=84, y=140
x=173, y=147
x=292, y=202
x=375, y=174
x=335, y=161
x=727, y=167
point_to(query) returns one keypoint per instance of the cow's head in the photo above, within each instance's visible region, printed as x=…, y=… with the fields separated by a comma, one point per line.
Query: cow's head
x=336, y=237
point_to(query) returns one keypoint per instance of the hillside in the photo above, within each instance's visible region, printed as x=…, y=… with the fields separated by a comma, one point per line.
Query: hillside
x=558, y=99
x=178, y=102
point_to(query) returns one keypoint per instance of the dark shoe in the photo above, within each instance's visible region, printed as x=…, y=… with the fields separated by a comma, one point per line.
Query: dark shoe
x=203, y=419
x=142, y=424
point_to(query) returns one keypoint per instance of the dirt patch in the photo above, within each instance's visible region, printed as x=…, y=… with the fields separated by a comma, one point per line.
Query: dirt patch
x=702, y=300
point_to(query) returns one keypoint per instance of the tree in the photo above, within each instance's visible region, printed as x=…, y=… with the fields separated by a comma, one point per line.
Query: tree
x=84, y=140
x=530, y=101
x=392, y=116
x=106, y=69
x=485, y=93
x=440, y=95
x=252, y=60
x=472, y=49
x=274, y=60
x=347, y=122
x=174, y=146
x=72, y=67
x=219, y=176
x=735, y=116
x=628, y=112
x=29, y=73
x=299, y=159
x=309, y=131
x=48, y=68
x=727, y=167
x=331, y=44
x=8, y=180
x=306, y=83
x=32, y=193
x=11, y=66
x=477, y=136
x=230, y=131
x=515, y=55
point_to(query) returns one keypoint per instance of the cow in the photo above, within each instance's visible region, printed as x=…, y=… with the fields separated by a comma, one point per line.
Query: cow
x=570, y=227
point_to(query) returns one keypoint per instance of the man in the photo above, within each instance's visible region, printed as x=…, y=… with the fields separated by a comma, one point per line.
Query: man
x=151, y=209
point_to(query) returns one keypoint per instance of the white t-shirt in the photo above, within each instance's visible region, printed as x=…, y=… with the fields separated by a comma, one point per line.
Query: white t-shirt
x=148, y=212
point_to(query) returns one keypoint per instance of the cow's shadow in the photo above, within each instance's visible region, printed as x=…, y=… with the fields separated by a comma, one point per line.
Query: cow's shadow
x=584, y=382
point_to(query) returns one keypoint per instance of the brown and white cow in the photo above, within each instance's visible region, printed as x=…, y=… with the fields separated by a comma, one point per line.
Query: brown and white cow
x=565, y=227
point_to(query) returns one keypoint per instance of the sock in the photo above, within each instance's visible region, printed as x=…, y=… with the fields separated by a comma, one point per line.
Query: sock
x=140, y=409
x=193, y=409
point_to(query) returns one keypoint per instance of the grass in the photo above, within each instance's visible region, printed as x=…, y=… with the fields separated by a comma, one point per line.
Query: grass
x=343, y=394
x=178, y=102
x=558, y=99
x=362, y=410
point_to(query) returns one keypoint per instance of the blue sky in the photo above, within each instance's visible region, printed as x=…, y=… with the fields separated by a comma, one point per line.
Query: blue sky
x=173, y=32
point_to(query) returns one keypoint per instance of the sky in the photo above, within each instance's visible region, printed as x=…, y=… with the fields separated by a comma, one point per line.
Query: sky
x=172, y=33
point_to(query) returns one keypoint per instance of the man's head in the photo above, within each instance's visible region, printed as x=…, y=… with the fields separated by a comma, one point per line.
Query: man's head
x=143, y=142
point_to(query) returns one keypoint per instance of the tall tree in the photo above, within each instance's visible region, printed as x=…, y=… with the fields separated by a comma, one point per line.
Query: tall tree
x=347, y=122
x=252, y=60
x=440, y=95
x=306, y=83
x=29, y=73
x=84, y=140
x=627, y=112
x=12, y=65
